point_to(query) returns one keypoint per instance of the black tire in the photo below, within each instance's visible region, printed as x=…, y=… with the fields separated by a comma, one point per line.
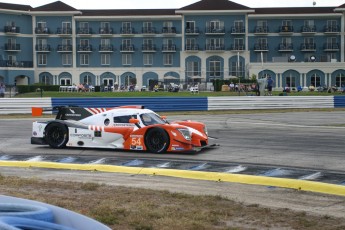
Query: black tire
x=157, y=140
x=56, y=135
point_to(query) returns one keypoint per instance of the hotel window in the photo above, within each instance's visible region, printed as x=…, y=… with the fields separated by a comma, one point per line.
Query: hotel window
x=105, y=27
x=84, y=28
x=105, y=59
x=148, y=59
x=190, y=44
x=340, y=80
x=215, y=26
x=65, y=81
x=193, y=69
x=42, y=59
x=66, y=28
x=66, y=59
x=236, y=69
x=167, y=59
x=84, y=59
x=126, y=59
x=291, y=81
x=126, y=28
x=214, y=69
x=215, y=43
x=190, y=26
x=87, y=79
x=45, y=80
x=315, y=80
x=239, y=44
x=147, y=27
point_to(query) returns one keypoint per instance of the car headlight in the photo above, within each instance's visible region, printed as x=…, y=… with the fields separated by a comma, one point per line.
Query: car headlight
x=185, y=133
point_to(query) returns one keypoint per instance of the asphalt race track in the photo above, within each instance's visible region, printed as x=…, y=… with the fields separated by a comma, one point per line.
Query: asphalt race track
x=313, y=140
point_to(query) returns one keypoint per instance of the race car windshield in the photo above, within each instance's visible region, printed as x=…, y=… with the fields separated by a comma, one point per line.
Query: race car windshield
x=151, y=119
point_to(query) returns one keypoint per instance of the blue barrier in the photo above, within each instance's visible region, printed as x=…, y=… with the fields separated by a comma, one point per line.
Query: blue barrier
x=154, y=103
x=339, y=101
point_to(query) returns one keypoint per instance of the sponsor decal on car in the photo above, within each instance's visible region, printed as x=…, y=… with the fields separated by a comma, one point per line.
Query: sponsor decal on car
x=81, y=136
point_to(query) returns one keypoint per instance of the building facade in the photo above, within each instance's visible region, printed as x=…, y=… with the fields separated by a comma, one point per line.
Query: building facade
x=57, y=44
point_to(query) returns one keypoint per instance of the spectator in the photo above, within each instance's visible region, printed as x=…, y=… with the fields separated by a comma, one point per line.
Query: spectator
x=299, y=88
x=231, y=86
x=86, y=87
x=81, y=88
x=2, y=89
x=311, y=88
x=269, y=85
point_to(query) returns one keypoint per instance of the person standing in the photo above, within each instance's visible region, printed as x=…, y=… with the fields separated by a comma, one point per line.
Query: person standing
x=2, y=89
x=269, y=85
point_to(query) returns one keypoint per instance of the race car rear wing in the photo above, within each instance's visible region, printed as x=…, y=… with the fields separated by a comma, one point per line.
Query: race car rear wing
x=76, y=113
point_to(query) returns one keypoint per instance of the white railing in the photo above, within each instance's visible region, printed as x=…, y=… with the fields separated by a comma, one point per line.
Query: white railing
x=22, y=105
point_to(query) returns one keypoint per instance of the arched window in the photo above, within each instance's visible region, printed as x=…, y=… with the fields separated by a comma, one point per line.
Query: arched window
x=45, y=80
x=340, y=80
x=87, y=79
x=315, y=80
x=290, y=80
x=65, y=81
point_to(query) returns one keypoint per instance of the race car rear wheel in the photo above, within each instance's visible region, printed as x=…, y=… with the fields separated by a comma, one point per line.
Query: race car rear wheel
x=56, y=135
x=157, y=140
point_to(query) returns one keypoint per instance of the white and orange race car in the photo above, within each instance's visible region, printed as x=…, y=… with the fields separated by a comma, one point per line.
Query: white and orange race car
x=125, y=127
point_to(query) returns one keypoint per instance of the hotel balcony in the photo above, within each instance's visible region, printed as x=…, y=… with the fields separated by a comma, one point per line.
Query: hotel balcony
x=148, y=48
x=261, y=30
x=12, y=29
x=148, y=31
x=17, y=64
x=43, y=31
x=308, y=47
x=64, y=31
x=127, y=31
x=106, y=48
x=12, y=47
x=127, y=48
x=84, y=31
x=168, y=48
x=106, y=31
x=260, y=47
x=84, y=48
x=192, y=31
x=286, y=30
x=42, y=48
x=215, y=31
x=64, y=48
x=285, y=47
x=308, y=30
x=331, y=47
x=237, y=48
x=215, y=48
x=331, y=29
x=192, y=48
x=238, y=30
x=169, y=31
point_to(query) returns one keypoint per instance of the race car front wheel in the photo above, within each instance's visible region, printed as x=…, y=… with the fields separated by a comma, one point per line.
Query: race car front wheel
x=157, y=140
x=56, y=135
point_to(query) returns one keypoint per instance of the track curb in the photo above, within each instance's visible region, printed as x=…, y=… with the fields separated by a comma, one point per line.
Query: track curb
x=296, y=184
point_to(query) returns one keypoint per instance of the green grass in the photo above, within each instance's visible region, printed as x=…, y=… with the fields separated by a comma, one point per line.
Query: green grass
x=161, y=94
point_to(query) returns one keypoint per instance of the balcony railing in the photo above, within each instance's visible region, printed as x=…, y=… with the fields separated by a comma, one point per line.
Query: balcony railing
x=64, y=31
x=105, y=31
x=192, y=48
x=12, y=47
x=106, y=48
x=286, y=29
x=148, y=48
x=238, y=30
x=148, y=30
x=258, y=47
x=192, y=31
x=285, y=47
x=331, y=29
x=42, y=48
x=84, y=48
x=64, y=48
x=169, y=48
x=169, y=30
x=215, y=48
x=237, y=47
x=308, y=29
x=127, y=48
x=212, y=30
x=17, y=64
x=127, y=31
x=308, y=47
x=12, y=29
x=42, y=30
x=261, y=30
x=84, y=31
x=331, y=47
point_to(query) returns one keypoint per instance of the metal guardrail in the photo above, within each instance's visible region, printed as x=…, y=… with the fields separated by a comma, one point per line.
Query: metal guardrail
x=23, y=105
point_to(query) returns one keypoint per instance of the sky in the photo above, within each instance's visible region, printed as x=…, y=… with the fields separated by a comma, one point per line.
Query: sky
x=173, y=4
